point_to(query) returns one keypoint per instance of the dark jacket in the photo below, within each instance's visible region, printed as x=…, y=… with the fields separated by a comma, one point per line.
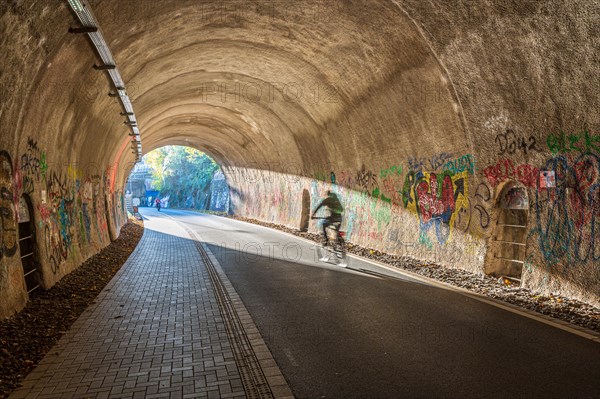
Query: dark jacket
x=333, y=204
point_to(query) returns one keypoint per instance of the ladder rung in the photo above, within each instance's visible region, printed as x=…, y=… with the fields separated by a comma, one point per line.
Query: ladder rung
x=25, y=238
x=34, y=288
x=29, y=272
x=513, y=225
x=510, y=260
x=26, y=256
x=510, y=242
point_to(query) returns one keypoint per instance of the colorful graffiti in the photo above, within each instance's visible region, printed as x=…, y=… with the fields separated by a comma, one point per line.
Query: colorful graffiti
x=432, y=163
x=465, y=163
x=72, y=208
x=568, y=216
x=578, y=143
x=505, y=169
x=58, y=217
x=99, y=207
x=376, y=202
x=395, y=170
x=87, y=198
x=390, y=192
x=438, y=199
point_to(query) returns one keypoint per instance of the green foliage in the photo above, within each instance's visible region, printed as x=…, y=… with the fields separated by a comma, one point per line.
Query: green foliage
x=182, y=173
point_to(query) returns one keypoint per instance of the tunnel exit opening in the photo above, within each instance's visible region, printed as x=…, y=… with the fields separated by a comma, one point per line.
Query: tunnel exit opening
x=178, y=177
x=508, y=245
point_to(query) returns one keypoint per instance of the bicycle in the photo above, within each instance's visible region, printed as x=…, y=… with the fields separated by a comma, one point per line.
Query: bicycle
x=336, y=249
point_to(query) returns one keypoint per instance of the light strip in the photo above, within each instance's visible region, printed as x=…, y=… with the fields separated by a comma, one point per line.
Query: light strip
x=85, y=16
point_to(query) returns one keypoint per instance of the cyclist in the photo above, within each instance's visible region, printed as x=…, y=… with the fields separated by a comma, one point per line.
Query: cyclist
x=157, y=203
x=333, y=204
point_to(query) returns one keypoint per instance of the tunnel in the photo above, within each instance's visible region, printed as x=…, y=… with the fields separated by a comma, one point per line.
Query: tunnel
x=463, y=133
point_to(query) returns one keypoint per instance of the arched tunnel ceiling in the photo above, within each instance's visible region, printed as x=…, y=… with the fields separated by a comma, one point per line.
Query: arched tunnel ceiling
x=369, y=72
x=265, y=87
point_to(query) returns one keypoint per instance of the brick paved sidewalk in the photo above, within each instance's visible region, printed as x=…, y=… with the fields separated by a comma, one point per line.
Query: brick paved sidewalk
x=155, y=331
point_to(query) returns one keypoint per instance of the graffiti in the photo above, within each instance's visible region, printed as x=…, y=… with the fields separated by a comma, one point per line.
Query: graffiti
x=98, y=207
x=436, y=200
x=57, y=187
x=509, y=143
x=390, y=182
x=482, y=194
x=568, y=216
x=442, y=202
x=118, y=207
x=277, y=198
x=391, y=171
x=381, y=212
x=515, y=198
x=86, y=221
x=56, y=248
x=27, y=185
x=505, y=170
x=409, y=182
x=484, y=216
x=461, y=164
x=87, y=198
x=8, y=224
x=434, y=163
x=417, y=164
x=31, y=164
x=376, y=193
x=582, y=142
x=366, y=180
x=345, y=178
x=473, y=209
x=60, y=215
x=72, y=208
x=437, y=161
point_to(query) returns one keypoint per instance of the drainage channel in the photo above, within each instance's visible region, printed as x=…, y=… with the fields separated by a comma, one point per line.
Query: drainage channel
x=253, y=378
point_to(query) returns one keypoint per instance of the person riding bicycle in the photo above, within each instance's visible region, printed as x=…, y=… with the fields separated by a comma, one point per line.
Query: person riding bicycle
x=333, y=204
x=157, y=204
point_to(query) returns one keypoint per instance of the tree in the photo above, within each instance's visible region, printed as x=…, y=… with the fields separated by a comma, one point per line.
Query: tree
x=182, y=173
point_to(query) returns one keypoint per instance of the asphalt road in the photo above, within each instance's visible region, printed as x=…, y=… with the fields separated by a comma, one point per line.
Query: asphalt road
x=338, y=333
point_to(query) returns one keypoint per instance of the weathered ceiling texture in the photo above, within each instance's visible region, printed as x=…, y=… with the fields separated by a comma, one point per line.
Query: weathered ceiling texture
x=433, y=120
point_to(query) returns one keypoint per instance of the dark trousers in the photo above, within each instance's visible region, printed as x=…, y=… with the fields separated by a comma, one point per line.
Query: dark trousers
x=333, y=220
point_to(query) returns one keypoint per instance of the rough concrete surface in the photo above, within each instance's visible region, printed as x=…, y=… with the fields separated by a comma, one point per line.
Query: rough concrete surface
x=428, y=117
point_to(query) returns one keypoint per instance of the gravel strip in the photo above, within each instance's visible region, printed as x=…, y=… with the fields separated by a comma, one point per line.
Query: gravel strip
x=559, y=307
x=26, y=337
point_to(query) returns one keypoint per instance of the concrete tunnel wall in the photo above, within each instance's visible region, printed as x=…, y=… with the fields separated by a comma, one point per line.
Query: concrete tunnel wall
x=417, y=113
